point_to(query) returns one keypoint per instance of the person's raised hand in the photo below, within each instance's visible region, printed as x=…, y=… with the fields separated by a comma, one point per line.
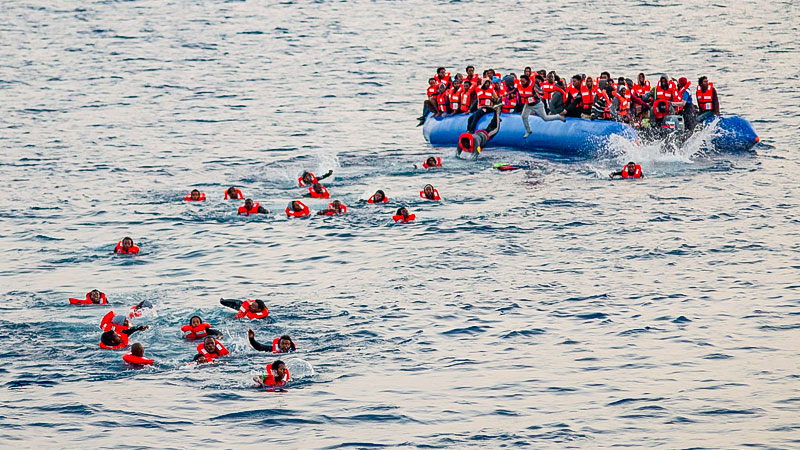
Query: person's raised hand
x=250, y=334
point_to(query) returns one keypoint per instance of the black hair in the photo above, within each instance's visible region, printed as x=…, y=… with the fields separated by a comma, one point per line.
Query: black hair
x=285, y=337
x=439, y=69
x=380, y=191
x=277, y=363
x=198, y=318
x=539, y=77
x=429, y=81
x=528, y=68
x=261, y=304
x=135, y=349
x=464, y=142
x=400, y=210
x=470, y=67
x=524, y=77
x=195, y=190
x=576, y=77
x=700, y=81
x=608, y=75
x=107, y=338
x=620, y=80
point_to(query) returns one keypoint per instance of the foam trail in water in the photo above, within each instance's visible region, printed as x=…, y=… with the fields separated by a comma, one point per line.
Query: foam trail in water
x=622, y=150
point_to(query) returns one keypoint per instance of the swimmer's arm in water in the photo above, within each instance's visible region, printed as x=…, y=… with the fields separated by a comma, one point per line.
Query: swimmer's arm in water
x=213, y=332
x=324, y=211
x=262, y=210
x=615, y=174
x=330, y=172
x=260, y=379
x=132, y=330
x=257, y=345
x=233, y=304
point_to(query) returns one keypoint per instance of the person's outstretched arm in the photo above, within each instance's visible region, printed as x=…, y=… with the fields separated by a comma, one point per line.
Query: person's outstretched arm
x=615, y=174
x=257, y=345
x=495, y=122
x=132, y=330
x=330, y=172
x=233, y=304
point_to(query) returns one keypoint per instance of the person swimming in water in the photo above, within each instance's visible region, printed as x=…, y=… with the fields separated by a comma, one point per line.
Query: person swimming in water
x=252, y=208
x=136, y=311
x=378, y=197
x=429, y=193
x=475, y=142
x=277, y=375
x=112, y=340
x=136, y=356
x=252, y=309
x=317, y=190
x=631, y=170
x=403, y=215
x=234, y=193
x=431, y=163
x=195, y=196
x=126, y=246
x=308, y=178
x=283, y=344
x=209, y=350
x=296, y=208
x=197, y=329
x=334, y=208
x=93, y=297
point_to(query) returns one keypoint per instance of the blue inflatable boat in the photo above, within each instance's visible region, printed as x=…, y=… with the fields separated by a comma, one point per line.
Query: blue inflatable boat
x=575, y=137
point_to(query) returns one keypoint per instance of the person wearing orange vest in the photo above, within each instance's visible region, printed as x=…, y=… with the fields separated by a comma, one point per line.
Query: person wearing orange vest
x=197, y=329
x=468, y=101
x=530, y=93
x=641, y=86
x=509, y=95
x=113, y=340
x=631, y=170
x=251, y=309
x=474, y=142
x=573, y=105
x=558, y=95
x=454, y=96
x=403, y=215
x=250, y=207
x=486, y=98
x=317, y=190
x=665, y=90
x=431, y=162
x=601, y=105
x=136, y=356
x=195, y=196
x=277, y=375
x=442, y=76
x=93, y=297
x=429, y=192
x=378, y=197
x=283, y=344
x=308, y=178
x=472, y=77
x=334, y=208
x=435, y=103
x=621, y=104
x=234, y=193
x=209, y=350
x=707, y=101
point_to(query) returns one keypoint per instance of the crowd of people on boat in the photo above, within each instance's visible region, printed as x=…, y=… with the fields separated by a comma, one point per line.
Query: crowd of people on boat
x=552, y=97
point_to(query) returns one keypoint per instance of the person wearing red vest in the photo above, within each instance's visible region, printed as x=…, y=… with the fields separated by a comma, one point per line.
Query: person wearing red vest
x=431, y=104
x=136, y=356
x=335, y=208
x=112, y=339
x=431, y=163
x=308, y=178
x=378, y=197
x=573, y=105
x=621, y=104
x=472, y=77
x=93, y=297
x=486, y=97
x=529, y=93
x=631, y=170
x=195, y=196
x=126, y=246
x=402, y=215
x=468, y=100
x=209, y=350
x=707, y=101
x=251, y=309
x=508, y=94
x=641, y=86
x=277, y=375
x=317, y=191
x=197, y=329
x=250, y=207
x=442, y=76
x=429, y=193
x=474, y=142
x=454, y=96
x=234, y=193
x=558, y=95
x=283, y=344
x=665, y=90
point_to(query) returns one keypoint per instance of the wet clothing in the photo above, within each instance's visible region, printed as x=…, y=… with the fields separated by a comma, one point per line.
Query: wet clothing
x=472, y=123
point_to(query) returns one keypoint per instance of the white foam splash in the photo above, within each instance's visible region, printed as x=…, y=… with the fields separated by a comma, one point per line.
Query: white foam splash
x=622, y=150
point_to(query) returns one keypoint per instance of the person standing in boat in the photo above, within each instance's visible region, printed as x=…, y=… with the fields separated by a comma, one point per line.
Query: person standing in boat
x=707, y=101
x=532, y=101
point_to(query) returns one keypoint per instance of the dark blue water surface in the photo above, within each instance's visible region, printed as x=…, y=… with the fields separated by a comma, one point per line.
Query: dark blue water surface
x=546, y=308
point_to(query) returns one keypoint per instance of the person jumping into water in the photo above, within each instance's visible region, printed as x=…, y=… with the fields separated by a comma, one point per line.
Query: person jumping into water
x=475, y=142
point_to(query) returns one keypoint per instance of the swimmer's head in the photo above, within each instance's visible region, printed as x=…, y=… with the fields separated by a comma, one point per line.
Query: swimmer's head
x=95, y=296
x=127, y=243
x=296, y=206
x=257, y=306
x=119, y=319
x=279, y=370
x=210, y=345
x=465, y=142
x=137, y=349
x=195, y=194
x=308, y=178
x=336, y=205
x=403, y=212
x=379, y=196
x=248, y=204
x=285, y=344
x=431, y=161
x=318, y=188
x=232, y=193
x=110, y=339
x=195, y=321
x=428, y=190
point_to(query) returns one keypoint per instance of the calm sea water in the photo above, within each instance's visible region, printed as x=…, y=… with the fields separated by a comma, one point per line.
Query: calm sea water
x=547, y=308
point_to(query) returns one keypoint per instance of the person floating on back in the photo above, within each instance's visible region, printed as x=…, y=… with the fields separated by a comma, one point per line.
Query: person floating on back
x=126, y=246
x=283, y=344
x=136, y=356
x=195, y=196
x=631, y=170
x=308, y=178
x=250, y=309
x=252, y=208
x=93, y=297
x=277, y=375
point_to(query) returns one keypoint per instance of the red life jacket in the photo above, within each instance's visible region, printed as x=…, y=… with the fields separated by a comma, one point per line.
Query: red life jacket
x=669, y=94
x=705, y=100
x=431, y=92
x=587, y=97
x=88, y=300
x=660, y=115
x=269, y=380
x=291, y=213
x=474, y=80
x=509, y=100
x=122, y=344
x=398, y=218
x=372, y=199
x=571, y=90
x=107, y=325
x=239, y=195
x=527, y=95
x=441, y=101
x=624, y=102
x=134, y=249
x=221, y=351
x=435, y=198
x=313, y=180
x=445, y=79
x=314, y=194
x=332, y=211
x=131, y=359
x=547, y=89
x=202, y=198
x=563, y=93
x=639, y=90
x=637, y=173
x=135, y=312
x=455, y=99
x=679, y=96
x=244, y=311
x=485, y=96
x=466, y=99
x=607, y=109
x=438, y=163
x=253, y=210
x=277, y=348
x=197, y=332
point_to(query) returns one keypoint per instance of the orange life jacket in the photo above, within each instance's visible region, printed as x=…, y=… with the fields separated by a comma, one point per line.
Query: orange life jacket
x=107, y=325
x=122, y=344
x=314, y=194
x=292, y=213
x=639, y=90
x=202, y=198
x=197, y=332
x=221, y=351
x=372, y=199
x=441, y=101
x=438, y=163
x=485, y=96
x=528, y=96
x=277, y=348
x=624, y=102
x=244, y=311
x=270, y=377
x=669, y=94
x=445, y=79
x=399, y=218
x=253, y=210
x=435, y=198
x=465, y=100
x=88, y=300
x=239, y=195
x=705, y=100
x=332, y=211
x=131, y=359
x=136, y=312
x=455, y=99
x=559, y=89
x=587, y=96
x=313, y=180
x=637, y=173
x=547, y=89
x=430, y=92
x=474, y=80
x=118, y=249
x=509, y=100
x=660, y=115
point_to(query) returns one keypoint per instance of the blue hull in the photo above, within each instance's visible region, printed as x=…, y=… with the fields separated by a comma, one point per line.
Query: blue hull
x=575, y=137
